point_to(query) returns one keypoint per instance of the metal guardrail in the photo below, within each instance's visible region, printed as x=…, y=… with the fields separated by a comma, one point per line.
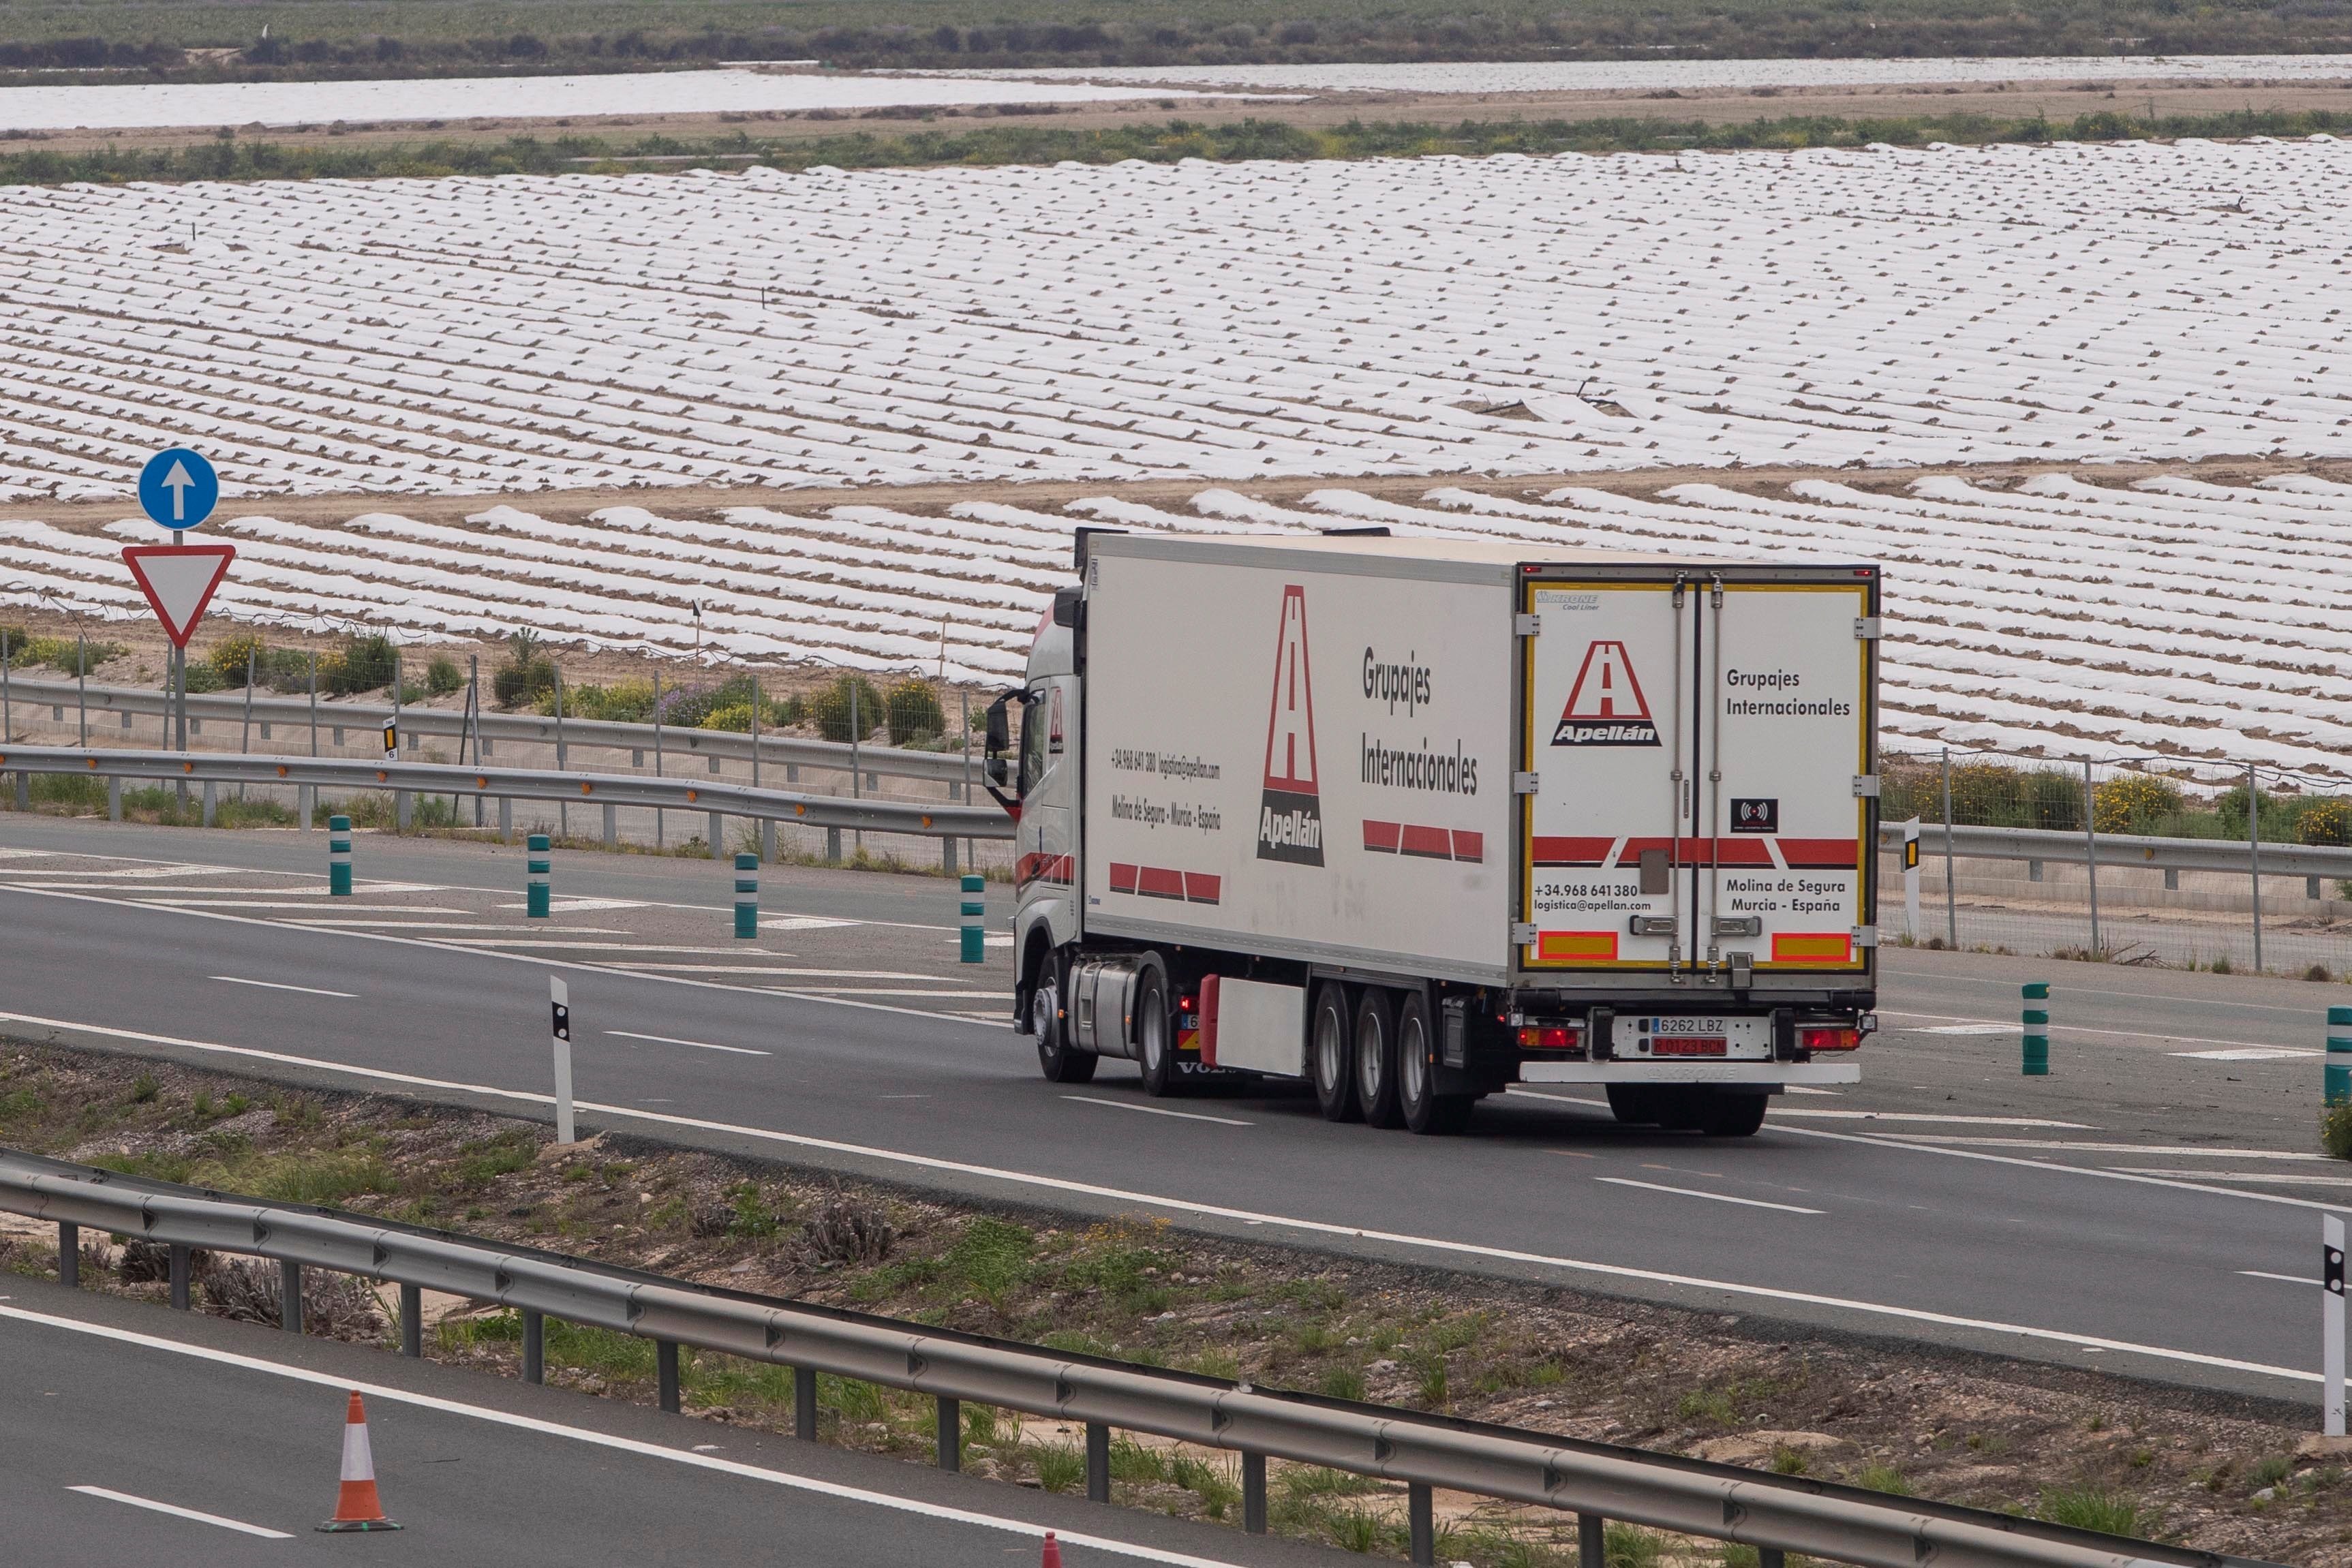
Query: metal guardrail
x=870, y=815
x=1776, y=1514
x=2232, y=855
x=786, y=750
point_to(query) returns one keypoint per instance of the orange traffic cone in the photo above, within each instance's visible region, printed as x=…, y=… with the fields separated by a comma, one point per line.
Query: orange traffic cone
x=1053, y=1552
x=357, y=1506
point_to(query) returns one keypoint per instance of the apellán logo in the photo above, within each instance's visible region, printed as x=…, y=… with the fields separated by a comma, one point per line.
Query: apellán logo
x=1606, y=707
x=1290, y=812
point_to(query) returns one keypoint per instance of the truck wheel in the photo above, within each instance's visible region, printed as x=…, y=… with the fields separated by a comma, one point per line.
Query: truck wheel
x=1419, y=1106
x=1375, y=1059
x=1683, y=1110
x=1062, y=1061
x=1333, y=1045
x=1634, y=1105
x=1732, y=1115
x=1154, y=1051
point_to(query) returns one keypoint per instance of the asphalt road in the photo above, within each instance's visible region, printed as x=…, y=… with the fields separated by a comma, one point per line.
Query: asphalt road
x=2150, y=1205
x=114, y=1412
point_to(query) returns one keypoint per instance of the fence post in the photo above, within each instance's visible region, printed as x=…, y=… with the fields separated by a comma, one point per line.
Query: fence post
x=975, y=913
x=2254, y=854
x=2339, y=1056
x=289, y=1295
x=747, y=894
x=338, y=857
x=2331, y=1350
x=314, y=704
x=1097, y=1461
x=539, y=891
x=2037, y=1029
x=2091, y=852
x=1253, y=1494
x=69, y=1254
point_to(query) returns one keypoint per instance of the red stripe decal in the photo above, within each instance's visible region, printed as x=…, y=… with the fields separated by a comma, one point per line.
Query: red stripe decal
x=1122, y=878
x=1157, y=882
x=1819, y=853
x=1573, y=851
x=1381, y=837
x=1469, y=846
x=1201, y=889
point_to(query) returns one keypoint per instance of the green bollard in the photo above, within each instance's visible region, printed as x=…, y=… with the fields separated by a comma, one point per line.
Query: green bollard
x=2339, y=1056
x=2037, y=1031
x=538, y=893
x=338, y=857
x=975, y=911
x=747, y=895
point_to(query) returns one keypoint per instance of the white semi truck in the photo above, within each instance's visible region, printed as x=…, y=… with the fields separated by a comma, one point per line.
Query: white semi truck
x=1416, y=819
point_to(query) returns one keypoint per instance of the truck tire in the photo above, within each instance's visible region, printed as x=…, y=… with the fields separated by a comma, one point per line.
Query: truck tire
x=1683, y=1110
x=1062, y=1061
x=1634, y=1105
x=1419, y=1106
x=1155, y=1046
x=1332, y=1047
x=1729, y=1116
x=1375, y=1059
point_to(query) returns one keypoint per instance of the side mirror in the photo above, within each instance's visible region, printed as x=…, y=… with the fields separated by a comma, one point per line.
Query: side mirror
x=1000, y=729
x=998, y=771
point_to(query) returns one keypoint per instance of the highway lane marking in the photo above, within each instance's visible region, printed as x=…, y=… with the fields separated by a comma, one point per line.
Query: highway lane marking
x=2269, y=1178
x=2213, y=1152
x=275, y=986
x=1713, y=1197
x=111, y=1495
x=576, y=906
x=2072, y=990
x=2247, y=1054
x=436, y=925
x=1157, y=1111
x=574, y=964
x=1781, y=1111
x=698, y=1044
x=1310, y=1226
x=1987, y=1026
x=195, y=905
x=543, y=1427
x=2284, y=1279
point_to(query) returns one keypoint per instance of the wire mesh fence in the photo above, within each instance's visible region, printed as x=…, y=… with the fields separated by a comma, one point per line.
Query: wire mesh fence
x=2096, y=886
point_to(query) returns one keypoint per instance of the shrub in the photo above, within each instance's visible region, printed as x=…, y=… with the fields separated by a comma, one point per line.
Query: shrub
x=363, y=663
x=623, y=702
x=2335, y=1131
x=848, y=1230
x=829, y=710
x=201, y=677
x=230, y=656
x=2087, y=1508
x=443, y=676
x=1883, y=1478
x=913, y=711
x=2135, y=803
x=2326, y=822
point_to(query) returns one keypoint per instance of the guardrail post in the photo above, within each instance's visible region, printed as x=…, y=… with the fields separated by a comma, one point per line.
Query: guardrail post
x=24, y=791
x=209, y=788
x=1253, y=1493
x=612, y=824
x=180, y=1261
x=534, y=1346
x=69, y=1254
x=1591, y=1541
x=306, y=803
x=747, y=894
x=717, y=834
x=666, y=1373
x=1420, y=1510
x=2036, y=1063
x=975, y=913
x=506, y=818
x=948, y=856
x=767, y=840
x=1771, y=1557
x=538, y=894
x=114, y=802
x=412, y=1320
x=338, y=857
x=2339, y=1056
x=950, y=1433
x=1098, y=1462
x=289, y=1295
x=804, y=1404
x=832, y=846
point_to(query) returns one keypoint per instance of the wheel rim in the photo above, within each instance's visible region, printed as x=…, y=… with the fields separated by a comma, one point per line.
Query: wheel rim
x=1153, y=1028
x=1412, y=1065
x=1326, y=1052
x=1371, y=1063
x=1043, y=1019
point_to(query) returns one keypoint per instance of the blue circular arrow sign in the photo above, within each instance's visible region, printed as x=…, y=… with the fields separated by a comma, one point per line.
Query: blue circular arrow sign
x=178, y=488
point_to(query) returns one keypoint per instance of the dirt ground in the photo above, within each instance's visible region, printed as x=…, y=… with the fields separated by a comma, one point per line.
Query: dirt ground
x=2212, y=1471
x=2057, y=100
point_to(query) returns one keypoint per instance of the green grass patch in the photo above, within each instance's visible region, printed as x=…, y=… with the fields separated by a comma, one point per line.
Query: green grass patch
x=2088, y=1508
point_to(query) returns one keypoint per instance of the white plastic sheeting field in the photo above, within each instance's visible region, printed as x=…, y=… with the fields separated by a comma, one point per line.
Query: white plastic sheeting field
x=1507, y=314
x=1701, y=76
x=2175, y=616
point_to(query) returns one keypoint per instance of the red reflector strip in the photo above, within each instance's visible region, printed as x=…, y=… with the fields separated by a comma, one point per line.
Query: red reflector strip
x=1689, y=1045
x=1572, y=851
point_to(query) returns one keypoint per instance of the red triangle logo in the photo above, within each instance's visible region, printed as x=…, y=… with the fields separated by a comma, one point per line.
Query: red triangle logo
x=179, y=580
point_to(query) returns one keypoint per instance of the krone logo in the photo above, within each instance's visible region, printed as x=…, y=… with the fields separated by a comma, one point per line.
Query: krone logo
x=1290, y=812
x=1606, y=706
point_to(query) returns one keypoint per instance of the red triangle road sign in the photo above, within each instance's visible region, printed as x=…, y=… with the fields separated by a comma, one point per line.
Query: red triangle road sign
x=179, y=580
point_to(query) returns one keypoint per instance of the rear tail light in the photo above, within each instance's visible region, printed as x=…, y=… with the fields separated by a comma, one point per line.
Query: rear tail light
x=1547, y=1037
x=1827, y=1037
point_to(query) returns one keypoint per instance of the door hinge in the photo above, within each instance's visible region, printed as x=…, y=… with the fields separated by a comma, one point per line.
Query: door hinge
x=1527, y=625
x=1865, y=628
x=1866, y=785
x=1865, y=935
x=1523, y=783
x=1650, y=925
x=1523, y=934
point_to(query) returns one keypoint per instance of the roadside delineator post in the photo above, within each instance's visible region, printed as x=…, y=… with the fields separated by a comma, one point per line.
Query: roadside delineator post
x=975, y=912
x=538, y=893
x=747, y=894
x=338, y=857
x=2331, y=1349
x=559, y=996
x=2339, y=1056
x=2037, y=1029
x=358, y=1508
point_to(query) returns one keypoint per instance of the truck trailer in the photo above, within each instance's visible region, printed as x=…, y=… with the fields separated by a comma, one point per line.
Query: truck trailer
x=1416, y=819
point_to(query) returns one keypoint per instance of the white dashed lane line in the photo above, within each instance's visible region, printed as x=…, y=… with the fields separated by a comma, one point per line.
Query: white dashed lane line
x=1712, y=1196
x=275, y=986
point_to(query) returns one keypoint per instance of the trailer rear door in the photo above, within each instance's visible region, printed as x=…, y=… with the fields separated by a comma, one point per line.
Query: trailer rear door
x=1698, y=738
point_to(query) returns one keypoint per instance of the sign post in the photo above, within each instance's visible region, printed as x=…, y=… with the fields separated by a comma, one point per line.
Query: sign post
x=178, y=489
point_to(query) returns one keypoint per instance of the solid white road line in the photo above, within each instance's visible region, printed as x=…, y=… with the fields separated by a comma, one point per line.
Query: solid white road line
x=175, y=905
x=274, y=985
x=1158, y=1110
x=2268, y=1178
x=1717, y=1196
x=698, y=1044
x=2210, y=1151
x=1924, y=1117
x=1312, y=1226
x=1987, y=1026
x=111, y=1495
x=2286, y=1279
x=591, y=1438
x=2246, y=1053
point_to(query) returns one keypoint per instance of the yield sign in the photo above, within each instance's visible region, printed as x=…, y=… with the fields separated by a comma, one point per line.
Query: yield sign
x=178, y=581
